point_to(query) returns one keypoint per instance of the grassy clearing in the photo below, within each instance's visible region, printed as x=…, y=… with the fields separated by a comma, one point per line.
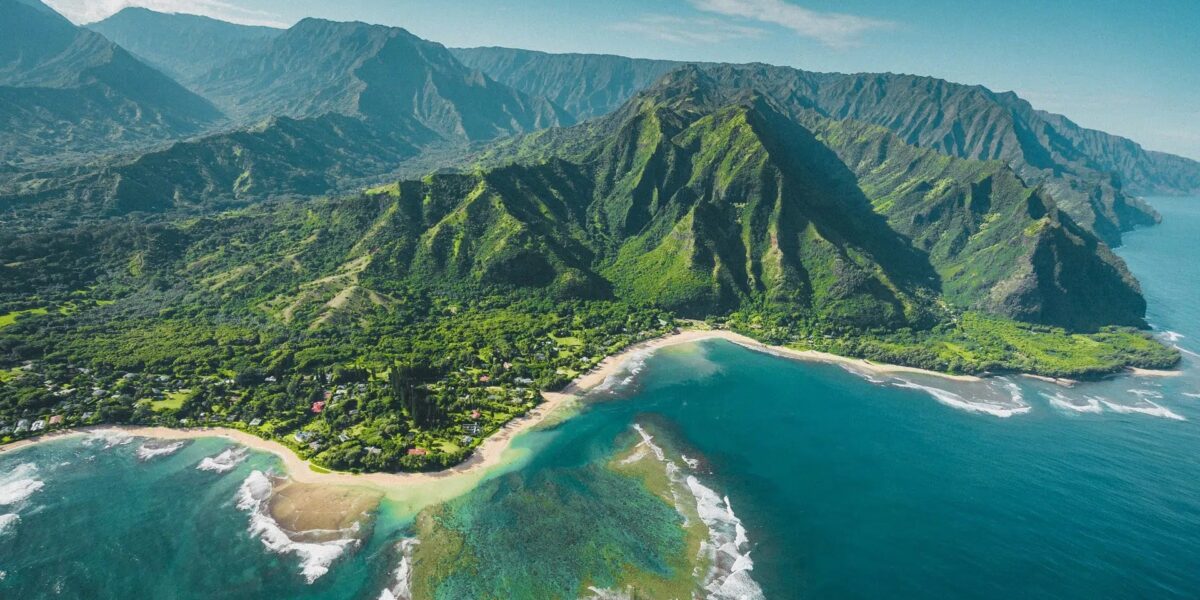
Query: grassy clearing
x=8, y=319
x=173, y=401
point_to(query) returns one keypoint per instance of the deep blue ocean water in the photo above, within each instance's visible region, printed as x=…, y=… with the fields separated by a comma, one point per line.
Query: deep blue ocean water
x=848, y=485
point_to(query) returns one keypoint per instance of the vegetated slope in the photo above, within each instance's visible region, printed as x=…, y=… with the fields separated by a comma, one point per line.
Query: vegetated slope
x=363, y=99
x=585, y=85
x=181, y=45
x=998, y=245
x=961, y=120
x=995, y=243
x=67, y=92
x=692, y=203
x=372, y=72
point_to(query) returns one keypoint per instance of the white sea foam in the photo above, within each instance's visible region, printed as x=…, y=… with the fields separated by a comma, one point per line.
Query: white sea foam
x=19, y=484
x=225, y=461
x=7, y=521
x=1016, y=405
x=861, y=373
x=674, y=474
x=107, y=438
x=402, y=586
x=151, y=450
x=692, y=463
x=727, y=547
x=1090, y=404
x=315, y=558
x=1191, y=395
x=1145, y=407
x=1172, y=336
x=1146, y=394
x=606, y=594
x=627, y=372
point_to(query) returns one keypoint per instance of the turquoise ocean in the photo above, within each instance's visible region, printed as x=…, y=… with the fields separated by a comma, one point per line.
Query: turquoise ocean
x=838, y=484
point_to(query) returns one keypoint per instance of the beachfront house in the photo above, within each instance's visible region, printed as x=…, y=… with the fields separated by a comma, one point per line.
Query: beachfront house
x=56, y=420
x=38, y=425
x=256, y=422
x=22, y=426
x=303, y=436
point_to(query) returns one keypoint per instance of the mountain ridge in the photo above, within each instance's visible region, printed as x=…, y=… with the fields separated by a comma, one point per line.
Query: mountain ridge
x=68, y=91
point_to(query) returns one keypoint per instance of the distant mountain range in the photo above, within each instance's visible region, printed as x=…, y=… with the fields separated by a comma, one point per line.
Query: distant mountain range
x=185, y=47
x=69, y=92
x=867, y=200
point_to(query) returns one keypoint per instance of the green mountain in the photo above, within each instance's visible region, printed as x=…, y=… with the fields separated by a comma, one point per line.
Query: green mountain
x=376, y=73
x=983, y=239
x=362, y=99
x=67, y=92
x=181, y=45
x=1089, y=171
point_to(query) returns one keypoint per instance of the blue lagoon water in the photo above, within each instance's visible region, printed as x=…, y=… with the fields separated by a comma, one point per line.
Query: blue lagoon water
x=847, y=485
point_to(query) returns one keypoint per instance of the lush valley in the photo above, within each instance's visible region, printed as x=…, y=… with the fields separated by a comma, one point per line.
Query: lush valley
x=245, y=277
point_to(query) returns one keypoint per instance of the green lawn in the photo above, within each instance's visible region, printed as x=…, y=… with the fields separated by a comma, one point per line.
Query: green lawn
x=173, y=401
x=567, y=341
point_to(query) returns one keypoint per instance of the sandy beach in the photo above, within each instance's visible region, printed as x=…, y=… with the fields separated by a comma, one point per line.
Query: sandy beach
x=491, y=452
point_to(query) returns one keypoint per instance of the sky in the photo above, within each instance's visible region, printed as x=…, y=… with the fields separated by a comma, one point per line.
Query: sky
x=1125, y=67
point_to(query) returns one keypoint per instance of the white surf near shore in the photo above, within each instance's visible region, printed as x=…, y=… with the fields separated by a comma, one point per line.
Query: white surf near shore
x=225, y=461
x=402, y=585
x=1090, y=404
x=1145, y=405
x=108, y=438
x=19, y=484
x=727, y=548
x=1014, y=405
x=151, y=450
x=254, y=496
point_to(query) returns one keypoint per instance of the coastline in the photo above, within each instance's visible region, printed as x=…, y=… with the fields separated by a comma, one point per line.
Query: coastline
x=491, y=452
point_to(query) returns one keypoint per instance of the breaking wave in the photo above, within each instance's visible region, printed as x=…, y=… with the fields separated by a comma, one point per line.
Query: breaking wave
x=1015, y=406
x=727, y=547
x=1145, y=407
x=225, y=461
x=19, y=484
x=861, y=373
x=107, y=438
x=151, y=450
x=7, y=521
x=315, y=558
x=626, y=373
x=1090, y=404
x=402, y=587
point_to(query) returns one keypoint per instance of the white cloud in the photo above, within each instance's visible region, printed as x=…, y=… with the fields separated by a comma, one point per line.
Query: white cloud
x=835, y=30
x=88, y=11
x=683, y=30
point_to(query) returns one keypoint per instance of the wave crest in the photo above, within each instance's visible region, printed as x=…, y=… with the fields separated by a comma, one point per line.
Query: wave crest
x=225, y=461
x=315, y=558
x=19, y=484
x=152, y=450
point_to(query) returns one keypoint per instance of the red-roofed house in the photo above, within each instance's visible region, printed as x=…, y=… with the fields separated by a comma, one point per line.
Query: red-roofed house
x=475, y=415
x=417, y=452
x=318, y=407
